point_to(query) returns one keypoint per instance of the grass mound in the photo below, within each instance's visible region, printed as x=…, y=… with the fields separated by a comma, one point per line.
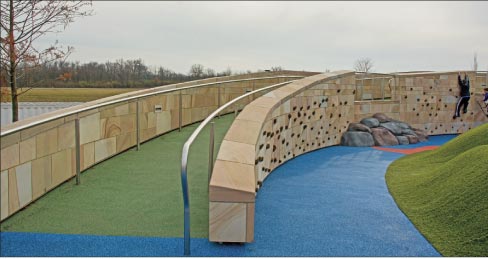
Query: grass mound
x=444, y=192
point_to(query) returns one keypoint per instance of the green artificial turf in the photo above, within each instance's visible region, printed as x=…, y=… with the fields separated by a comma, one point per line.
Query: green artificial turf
x=137, y=193
x=444, y=193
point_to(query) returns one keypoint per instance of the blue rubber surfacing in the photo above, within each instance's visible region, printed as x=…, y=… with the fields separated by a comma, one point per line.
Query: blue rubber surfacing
x=330, y=202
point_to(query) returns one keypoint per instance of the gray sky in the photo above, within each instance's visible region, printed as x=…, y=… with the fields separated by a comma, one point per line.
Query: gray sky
x=313, y=36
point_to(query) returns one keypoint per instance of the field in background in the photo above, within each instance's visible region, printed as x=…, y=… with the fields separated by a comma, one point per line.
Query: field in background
x=66, y=94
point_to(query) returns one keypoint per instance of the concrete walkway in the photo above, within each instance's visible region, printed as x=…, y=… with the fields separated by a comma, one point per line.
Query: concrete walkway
x=331, y=202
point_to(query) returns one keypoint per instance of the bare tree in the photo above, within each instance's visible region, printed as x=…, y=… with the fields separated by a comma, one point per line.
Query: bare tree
x=364, y=65
x=196, y=70
x=209, y=72
x=21, y=24
x=276, y=68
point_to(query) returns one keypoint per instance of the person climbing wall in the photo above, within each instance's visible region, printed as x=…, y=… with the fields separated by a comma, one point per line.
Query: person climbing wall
x=465, y=95
x=485, y=98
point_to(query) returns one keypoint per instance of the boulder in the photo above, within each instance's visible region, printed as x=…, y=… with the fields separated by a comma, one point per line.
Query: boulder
x=403, y=140
x=403, y=125
x=421, y=134
x=357, y=139
x=408, y=132
x=381, y=117
x=393, y=127
x=358, y=127
x=412, y=139
x=383, y=137
x=370, y=122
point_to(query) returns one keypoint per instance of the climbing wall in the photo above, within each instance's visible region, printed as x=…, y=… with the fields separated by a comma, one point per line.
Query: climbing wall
x=312, y=119
x=428, y=101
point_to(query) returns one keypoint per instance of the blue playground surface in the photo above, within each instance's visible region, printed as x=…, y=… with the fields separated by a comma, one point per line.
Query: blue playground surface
x=330, y=202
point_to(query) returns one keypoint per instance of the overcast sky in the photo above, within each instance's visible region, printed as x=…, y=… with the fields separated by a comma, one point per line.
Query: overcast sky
x=312, y=36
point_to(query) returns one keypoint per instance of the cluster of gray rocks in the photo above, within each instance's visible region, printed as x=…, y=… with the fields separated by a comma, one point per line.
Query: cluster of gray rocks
x=380, y=130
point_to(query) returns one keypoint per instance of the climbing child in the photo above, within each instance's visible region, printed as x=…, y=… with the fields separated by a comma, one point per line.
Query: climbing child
x=465, y=95
x=486, y=98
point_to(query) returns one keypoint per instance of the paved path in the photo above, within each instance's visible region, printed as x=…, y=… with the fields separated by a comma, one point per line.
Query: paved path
x=331, y=202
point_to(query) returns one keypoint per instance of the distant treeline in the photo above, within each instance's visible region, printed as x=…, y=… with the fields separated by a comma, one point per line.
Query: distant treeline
x=118, y=74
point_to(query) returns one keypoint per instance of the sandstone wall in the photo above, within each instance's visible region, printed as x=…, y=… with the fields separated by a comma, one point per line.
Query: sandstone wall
x=37, y=159
x=300, y=117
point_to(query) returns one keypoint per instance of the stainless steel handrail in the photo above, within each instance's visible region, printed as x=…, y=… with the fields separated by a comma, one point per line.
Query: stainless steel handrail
x=130, y=98
x=184, y=158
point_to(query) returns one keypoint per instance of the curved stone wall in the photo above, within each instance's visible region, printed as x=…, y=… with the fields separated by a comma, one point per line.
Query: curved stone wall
x=312, y=113
x=37, y=159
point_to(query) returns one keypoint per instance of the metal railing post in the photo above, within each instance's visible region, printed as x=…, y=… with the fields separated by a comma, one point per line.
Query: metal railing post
x=186, y=198
x=382, y=89
x=211, y=146
x=180, y=109
x=138, y=127
x=372, y=88
x=362, y=88
x=77, y=150
x=218, y=97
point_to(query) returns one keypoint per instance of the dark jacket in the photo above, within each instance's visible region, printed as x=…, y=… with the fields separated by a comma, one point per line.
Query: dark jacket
x=464, y=85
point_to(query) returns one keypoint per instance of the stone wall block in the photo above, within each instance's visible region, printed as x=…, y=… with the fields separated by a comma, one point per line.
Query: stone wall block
x=47, y=143
x=105, y=148
x=4, y=208
x=10, y=157
x=41, y=176
x=90, y=128
x=24, y=183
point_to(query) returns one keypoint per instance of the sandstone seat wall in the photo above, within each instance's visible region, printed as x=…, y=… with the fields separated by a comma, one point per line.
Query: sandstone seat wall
x=312, y=113
x=297, y=118
x=37, y=159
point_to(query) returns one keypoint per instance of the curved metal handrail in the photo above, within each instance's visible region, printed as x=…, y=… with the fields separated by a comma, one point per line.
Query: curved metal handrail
x=130, y=98
x=185, y=152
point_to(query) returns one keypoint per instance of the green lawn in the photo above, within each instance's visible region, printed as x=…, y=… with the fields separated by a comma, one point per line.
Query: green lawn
x=137, y=193
x=444, y=193
x=67, y=94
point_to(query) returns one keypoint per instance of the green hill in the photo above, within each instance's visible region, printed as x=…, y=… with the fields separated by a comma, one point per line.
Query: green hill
x=444, y=193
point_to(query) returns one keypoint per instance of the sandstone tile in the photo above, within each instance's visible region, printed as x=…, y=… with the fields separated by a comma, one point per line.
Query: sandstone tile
x=66, y=136
x=125, y=141
x=24, y=183
x=148, y=134
x=4, y=210
x=234, y=176
x=13, y=195
x=87, y=155
x=62, y=168
x=9, y=140
x=151, y=120
x=90, y=128
x=236, y=152
x=254, y=113
x=9, y=157
x=110, y=127
x=47, y=143
x=105, y=148
x=227, y=222
x=34, y=131
x=266, y=101
x=243, y=131
x=41, y=176
x=163, y=122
